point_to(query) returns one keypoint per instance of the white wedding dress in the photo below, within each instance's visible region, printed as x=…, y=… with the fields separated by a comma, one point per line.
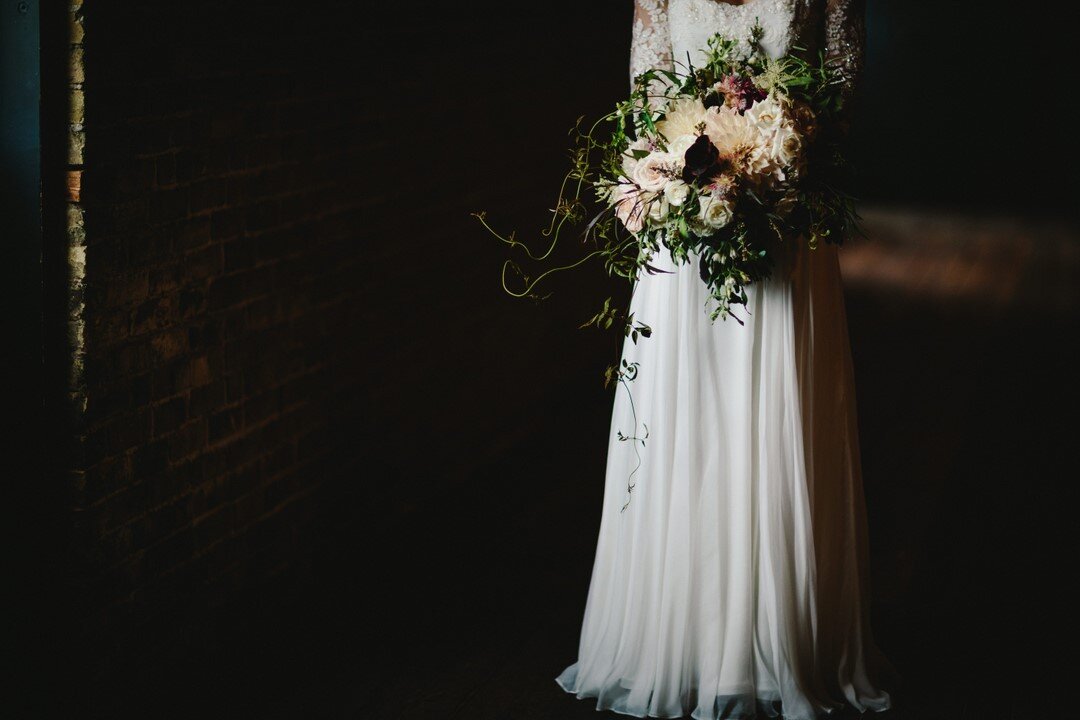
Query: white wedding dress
x=734, y=584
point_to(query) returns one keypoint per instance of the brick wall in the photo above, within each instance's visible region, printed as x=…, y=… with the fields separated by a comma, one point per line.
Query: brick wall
x=214, y=194
x=282, y=314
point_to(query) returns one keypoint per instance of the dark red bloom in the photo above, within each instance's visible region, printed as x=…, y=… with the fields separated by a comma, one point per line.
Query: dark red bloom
x=700, y=159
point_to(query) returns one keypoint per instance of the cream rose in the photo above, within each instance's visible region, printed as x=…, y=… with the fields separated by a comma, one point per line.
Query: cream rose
x=715, y=211
x=653, y=172
x=786, y=145
x=767, y=115
x=676, y=193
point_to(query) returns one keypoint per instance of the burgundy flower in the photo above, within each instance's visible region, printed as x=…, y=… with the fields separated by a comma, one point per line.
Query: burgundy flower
x=700, y=159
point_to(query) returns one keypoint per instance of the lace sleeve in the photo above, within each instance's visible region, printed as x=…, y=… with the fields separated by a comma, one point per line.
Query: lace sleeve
x=651, y=44
x=845, y=40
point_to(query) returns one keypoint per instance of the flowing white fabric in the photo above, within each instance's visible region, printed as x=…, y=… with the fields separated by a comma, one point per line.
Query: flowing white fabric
x=734, y=583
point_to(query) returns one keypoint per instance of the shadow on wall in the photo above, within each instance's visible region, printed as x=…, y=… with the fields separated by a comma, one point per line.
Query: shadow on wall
x=958, y=106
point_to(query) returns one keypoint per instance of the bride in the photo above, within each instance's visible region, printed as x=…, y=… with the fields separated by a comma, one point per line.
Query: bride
x=735, y=583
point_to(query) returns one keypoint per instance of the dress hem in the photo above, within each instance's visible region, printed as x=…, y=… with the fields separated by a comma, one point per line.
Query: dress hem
x=600, y=707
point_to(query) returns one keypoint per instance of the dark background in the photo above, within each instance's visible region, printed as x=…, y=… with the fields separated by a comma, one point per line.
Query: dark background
x=327, y=468
x=963, y=105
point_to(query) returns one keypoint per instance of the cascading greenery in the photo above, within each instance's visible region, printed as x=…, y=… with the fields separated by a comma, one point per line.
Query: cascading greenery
x=715, y=165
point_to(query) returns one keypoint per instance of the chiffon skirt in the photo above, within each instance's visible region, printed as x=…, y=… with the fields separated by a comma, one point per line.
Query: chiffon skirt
x=734, y=583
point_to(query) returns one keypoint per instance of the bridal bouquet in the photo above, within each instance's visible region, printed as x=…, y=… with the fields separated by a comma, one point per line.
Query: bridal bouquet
x=713, y=164
x=723, y=165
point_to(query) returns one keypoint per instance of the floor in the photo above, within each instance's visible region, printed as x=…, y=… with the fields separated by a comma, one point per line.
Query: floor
x=465, y=608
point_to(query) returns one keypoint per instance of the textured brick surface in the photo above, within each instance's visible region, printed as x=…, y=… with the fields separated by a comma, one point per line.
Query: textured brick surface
x=287, y=305
x=219, y=207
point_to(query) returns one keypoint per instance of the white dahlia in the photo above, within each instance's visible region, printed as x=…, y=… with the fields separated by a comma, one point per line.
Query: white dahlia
x=682, y=118
x=730, y=132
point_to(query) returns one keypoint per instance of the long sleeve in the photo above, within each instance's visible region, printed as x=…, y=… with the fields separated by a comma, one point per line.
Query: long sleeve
x=845, y=41
x=651, y=43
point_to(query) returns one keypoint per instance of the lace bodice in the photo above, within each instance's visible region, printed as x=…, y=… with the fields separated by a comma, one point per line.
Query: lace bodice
x=667, y=31
x=693, y=22
x=651, y=44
